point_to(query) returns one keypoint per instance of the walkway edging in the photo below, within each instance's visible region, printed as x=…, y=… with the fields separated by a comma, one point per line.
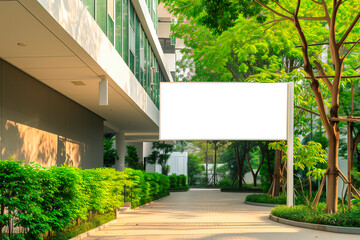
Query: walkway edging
x=87, y=234
x=112, y=222
x=261, y=204
x=320, y=227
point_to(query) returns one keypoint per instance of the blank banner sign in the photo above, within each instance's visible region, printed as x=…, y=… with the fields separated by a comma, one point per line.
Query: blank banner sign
x=223, y=111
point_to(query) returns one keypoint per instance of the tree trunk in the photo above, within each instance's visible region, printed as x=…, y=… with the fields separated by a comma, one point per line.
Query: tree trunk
x=206, y=164
x=239, y=171
x=242, y=160
x=254, y=174
x=333, y=175
x=214, y=180
x=268, y=163
x=350, y=159
x=277, y=173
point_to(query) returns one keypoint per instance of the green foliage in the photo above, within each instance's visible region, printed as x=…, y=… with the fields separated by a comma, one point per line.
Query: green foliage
x=73, y=231
x=178, y=182
x=303, y=213
x=264, y=198
x=42, y=200
x=160, y=155
x=355, y=177
x=229, y=158
x=281, y=199
x=110, y=154
x=306, y=157
x=132, y=158
x=194, y=167
x=225, y=182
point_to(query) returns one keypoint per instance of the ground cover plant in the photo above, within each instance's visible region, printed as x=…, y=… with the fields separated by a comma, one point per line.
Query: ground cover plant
x=264, y=198
x=281, y=199
x=73, y=231
x=344, y=217
x=40, y=201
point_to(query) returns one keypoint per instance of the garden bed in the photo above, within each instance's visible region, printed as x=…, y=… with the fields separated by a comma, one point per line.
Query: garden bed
x=305, y=214
x=320, y=227
x=264, y=198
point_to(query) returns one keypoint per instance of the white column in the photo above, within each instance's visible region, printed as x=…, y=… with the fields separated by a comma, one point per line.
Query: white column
x=121, y=151
x=290, y=143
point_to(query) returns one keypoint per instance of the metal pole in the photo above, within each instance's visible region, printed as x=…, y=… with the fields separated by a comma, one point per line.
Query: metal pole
x=290, y=148
x=131, y=195
x=124, y=193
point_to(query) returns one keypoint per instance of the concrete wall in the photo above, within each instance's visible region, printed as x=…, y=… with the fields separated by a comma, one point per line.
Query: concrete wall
x=40, y=125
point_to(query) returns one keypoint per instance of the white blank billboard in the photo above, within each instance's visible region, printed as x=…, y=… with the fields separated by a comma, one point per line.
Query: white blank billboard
x=223, y=111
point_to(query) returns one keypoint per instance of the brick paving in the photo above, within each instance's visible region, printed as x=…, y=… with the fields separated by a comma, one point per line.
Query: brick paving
x=206, y=214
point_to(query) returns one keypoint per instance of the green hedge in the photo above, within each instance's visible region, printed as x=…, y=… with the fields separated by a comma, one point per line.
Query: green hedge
x=303, y=213
x=178, y=182
x=50, y=199
x=264, y=198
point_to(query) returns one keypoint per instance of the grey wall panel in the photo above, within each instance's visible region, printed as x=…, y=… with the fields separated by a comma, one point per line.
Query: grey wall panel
x=25, y=95
x=76, y=112
x=59, y=114
x=43, y=126
x=92, y=133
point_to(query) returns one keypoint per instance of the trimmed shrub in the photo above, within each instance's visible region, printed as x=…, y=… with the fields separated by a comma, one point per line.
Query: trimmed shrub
x=264, y=198
x=303, y=213
x=41, y=200
x=178, y=182
x=182, y=180
x=225, y=182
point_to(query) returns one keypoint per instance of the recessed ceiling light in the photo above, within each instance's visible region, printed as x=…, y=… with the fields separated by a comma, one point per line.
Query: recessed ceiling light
x=78, y=83
x=21, y=44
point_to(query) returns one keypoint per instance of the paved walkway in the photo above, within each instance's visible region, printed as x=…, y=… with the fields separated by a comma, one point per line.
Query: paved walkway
x=206, y=214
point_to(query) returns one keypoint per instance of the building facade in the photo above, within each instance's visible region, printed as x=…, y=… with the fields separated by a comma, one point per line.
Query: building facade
x=73, y=70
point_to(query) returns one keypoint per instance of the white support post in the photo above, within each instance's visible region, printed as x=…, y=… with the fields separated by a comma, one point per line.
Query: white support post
x=290, y=143
x=103, y=91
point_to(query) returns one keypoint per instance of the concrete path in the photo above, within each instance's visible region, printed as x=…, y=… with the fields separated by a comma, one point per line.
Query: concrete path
x=206, y=214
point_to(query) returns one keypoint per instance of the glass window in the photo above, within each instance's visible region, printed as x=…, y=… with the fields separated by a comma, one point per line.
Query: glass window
x=137, y=48
x=132, y=14
x=125, y=33
x=132, y=62
x=111, y=8
x=101, y=14
x=111, y=30
x=90, y=5
x=118, y=26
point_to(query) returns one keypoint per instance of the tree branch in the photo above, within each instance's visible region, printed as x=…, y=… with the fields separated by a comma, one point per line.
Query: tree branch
x=352, y=25
x=344, y=119
x=313, y=18
x=277, y=20
x=272, y=10
x=277, y=3
x=356, y=142
x=352, y=47
x=308, y=69
x=322, y=72
x=328, y=19
x=316, y=2
x=307, y=110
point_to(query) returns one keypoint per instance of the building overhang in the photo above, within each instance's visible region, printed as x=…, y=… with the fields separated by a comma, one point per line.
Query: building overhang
x=60, y=44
